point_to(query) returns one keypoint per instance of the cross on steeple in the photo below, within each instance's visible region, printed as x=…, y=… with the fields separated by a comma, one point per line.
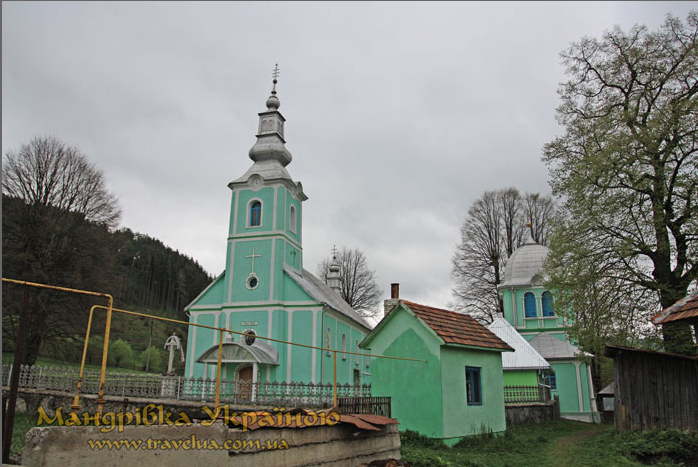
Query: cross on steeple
x=275, y=74
x=253, y=256
x=334, y=251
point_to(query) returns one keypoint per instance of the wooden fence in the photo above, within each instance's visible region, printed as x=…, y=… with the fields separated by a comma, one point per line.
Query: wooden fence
x=526, y=394
x=182, y=388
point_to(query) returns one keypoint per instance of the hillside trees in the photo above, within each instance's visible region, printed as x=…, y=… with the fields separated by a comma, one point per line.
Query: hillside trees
x=627, y=170
x=494, y=227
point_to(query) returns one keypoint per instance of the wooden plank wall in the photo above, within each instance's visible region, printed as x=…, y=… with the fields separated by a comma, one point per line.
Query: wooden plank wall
x=655, y=391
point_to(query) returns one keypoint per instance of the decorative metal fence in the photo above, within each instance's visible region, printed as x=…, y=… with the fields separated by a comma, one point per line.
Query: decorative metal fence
x=365, y=405
x=526, y=394
x=182, y=388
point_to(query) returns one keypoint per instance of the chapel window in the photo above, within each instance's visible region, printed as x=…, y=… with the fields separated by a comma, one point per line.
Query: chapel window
x=530, y=305
x=344, y=346
x=328, y=340
x=256, y=214
x=547, y=299
x=292, y=219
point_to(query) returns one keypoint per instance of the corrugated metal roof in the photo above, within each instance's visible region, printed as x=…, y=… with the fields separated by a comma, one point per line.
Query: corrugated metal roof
x=456, y=328
x=524, y=264
x=551, y=347
x=524, y=356
x=237, y=352
x=685, y=309
x=323, y=294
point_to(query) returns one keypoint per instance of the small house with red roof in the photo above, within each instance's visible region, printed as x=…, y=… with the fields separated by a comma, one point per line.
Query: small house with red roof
x=453, y=387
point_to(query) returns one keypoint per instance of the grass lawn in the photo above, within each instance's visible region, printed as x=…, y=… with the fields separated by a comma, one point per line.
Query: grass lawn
x=557, y=443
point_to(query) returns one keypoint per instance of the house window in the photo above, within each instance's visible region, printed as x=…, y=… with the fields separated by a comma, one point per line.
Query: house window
x=255, y=214
x=473, y=388
x=344, y=346
x=530, y=305
x=549, y=379
x=548, y=304
x=292, y=219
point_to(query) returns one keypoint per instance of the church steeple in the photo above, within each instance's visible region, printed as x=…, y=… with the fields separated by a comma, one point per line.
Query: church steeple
x=270, y=143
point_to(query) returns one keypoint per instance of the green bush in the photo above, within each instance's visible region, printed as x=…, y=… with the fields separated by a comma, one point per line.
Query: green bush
x=153, y=358
x=651, y=446
x=120, y=354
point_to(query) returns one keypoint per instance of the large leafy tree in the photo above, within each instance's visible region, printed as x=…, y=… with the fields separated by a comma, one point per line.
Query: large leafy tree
x=626, y=167
x=56, y=214
x=494, y=227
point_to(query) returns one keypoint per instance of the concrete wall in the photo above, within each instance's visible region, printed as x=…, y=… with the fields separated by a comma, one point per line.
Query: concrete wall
x=532, y=413
x=335, y=446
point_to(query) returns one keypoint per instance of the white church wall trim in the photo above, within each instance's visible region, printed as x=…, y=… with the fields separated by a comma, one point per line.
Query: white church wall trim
x=271, y=234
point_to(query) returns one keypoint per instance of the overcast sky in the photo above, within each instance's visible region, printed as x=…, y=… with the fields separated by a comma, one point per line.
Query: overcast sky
x=399, y=114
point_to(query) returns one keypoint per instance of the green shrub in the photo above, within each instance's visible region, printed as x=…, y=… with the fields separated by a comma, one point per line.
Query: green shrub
x=651, y=446
x=120, y=354
x=152, y=357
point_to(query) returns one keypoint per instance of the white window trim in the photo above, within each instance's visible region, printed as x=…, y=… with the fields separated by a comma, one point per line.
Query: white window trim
x=248, y=213
x=293, y=219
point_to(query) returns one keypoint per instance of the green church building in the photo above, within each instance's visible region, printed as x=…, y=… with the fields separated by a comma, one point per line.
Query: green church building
x=530, y=309
x=265, y=291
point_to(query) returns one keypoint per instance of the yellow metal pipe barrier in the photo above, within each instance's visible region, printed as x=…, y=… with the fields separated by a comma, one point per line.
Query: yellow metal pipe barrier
x=76, y=401
x=100, y=399
x=218, y=367
x=334, y=392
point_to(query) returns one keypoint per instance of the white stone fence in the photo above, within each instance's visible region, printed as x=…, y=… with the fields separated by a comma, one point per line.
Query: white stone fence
x=182, y=388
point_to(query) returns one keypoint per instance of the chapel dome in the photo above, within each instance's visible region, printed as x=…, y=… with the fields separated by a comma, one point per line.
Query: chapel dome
x=525, y=263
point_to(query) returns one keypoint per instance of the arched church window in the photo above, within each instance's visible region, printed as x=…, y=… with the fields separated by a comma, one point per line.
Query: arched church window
x=548, y=309
x=292, y=219
x=344, y=346
x=255, y=214
x=530, y=305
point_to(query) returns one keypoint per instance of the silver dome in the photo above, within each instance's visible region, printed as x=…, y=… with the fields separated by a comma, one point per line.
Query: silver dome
x=525, y=263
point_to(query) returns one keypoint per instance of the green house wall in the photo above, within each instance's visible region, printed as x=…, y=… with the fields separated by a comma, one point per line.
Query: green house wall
x=429, y=397
x=521, y=378
x=461, y=419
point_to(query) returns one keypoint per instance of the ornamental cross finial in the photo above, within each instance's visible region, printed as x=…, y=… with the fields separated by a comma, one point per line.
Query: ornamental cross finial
x=275, y=74
x=334, y=251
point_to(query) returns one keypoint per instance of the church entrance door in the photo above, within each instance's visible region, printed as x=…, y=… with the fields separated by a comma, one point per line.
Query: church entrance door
x=245, y=382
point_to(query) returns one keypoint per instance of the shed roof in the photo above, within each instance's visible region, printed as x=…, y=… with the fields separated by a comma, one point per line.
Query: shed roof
x=524, y=356
x=456, y=328
x=685, y=309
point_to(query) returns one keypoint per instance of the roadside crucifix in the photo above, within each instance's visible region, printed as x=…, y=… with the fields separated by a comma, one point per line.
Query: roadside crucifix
x=171, y=344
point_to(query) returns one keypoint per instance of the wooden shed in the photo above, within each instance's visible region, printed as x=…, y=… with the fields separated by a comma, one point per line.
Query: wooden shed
x=654, y=389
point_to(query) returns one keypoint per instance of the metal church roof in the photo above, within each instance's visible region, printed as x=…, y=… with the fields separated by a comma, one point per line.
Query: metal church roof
x=552, y=348
x=321, y=292
x=239, y=352
x=525, y=263
x=524, y=357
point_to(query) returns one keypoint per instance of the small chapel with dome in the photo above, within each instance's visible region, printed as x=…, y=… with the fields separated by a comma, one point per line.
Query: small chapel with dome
x=264, y=290
x=529, y=307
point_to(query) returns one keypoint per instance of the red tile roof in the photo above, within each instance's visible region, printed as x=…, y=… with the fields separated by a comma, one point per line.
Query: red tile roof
x=456, y=328
x=685, y=309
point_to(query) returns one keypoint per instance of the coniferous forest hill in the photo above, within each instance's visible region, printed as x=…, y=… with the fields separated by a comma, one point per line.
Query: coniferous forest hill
x=43, y=244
